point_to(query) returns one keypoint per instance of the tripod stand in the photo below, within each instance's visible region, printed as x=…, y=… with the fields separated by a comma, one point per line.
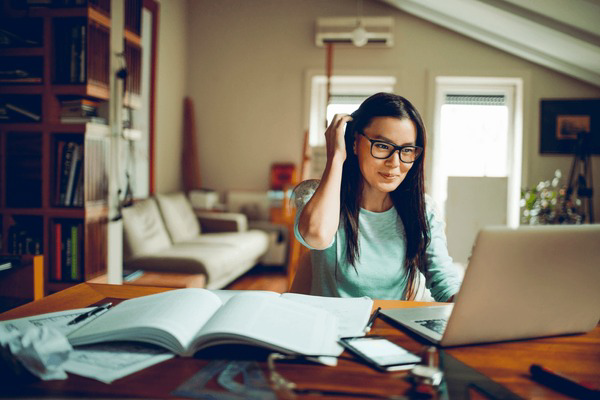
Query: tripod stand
x=581, y=174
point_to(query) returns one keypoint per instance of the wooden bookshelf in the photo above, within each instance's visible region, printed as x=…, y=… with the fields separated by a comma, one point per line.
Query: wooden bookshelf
x=133, y=53
x=23, y=282
x=54, y=174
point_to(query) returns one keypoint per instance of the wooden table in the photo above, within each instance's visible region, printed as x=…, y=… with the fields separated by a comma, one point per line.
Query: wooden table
x=506, y=363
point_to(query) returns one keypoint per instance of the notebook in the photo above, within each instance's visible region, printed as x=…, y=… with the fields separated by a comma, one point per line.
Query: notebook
x=520, y=283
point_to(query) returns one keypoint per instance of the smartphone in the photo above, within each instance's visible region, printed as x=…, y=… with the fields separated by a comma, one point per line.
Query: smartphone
x=380, y=353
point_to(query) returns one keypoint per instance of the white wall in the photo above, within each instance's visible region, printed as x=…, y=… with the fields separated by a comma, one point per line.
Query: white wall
x=246, y=60
x=170, y=91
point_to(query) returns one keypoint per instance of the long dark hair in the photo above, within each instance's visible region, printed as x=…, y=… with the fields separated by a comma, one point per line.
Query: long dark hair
x=408, y=198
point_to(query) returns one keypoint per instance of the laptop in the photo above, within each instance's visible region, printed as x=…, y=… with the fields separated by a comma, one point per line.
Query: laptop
x=520, y=283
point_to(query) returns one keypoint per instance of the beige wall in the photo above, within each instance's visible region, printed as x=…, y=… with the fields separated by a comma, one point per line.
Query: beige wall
x=246, y=62
x=170, y=91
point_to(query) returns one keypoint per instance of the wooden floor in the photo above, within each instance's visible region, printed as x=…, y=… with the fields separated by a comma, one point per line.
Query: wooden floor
x=262, y=278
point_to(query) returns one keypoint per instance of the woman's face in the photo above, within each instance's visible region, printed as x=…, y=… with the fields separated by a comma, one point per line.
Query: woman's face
x=385, y=175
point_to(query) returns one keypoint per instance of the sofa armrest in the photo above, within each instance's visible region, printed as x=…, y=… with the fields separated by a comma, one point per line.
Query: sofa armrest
x=222, y=221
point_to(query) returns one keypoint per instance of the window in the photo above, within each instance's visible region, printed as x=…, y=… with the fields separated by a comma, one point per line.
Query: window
x=477, y=133
x=474, y=130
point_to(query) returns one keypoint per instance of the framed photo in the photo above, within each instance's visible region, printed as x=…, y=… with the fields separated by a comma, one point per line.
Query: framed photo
x=563, y=120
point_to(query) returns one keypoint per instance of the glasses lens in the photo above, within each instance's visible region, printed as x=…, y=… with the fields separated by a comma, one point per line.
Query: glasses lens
x=410, y=154
x=381, y=150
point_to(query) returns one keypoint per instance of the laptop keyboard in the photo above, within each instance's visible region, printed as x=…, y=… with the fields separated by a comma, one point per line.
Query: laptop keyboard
x=437, y=325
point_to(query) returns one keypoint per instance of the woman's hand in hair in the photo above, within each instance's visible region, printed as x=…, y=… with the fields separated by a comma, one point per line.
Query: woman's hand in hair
x=334, y=137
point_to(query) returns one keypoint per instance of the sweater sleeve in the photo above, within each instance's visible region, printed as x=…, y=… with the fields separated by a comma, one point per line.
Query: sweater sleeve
x=443, y=277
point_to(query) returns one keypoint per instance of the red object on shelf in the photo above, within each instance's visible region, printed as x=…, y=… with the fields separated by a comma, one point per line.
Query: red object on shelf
x=282, y=175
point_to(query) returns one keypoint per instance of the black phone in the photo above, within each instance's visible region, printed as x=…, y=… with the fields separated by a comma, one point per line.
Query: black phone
x=380, y=353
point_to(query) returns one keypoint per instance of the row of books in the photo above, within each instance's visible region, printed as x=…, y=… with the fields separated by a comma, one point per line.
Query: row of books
x=69, y=174
x=24, y=240
x=70, y=114
x=70, y=38
x=67, y=251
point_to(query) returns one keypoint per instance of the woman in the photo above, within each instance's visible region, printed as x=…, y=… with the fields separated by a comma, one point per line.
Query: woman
x=367, y=221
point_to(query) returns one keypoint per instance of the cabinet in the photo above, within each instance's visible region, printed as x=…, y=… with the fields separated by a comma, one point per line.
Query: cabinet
x=54, y=138
x=21, y=283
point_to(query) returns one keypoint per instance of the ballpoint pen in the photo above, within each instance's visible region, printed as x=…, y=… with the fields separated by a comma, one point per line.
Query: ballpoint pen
x=84, y=316
x=372, y=320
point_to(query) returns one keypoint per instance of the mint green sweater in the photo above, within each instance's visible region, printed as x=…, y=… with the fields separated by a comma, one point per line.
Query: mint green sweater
x=380, y=271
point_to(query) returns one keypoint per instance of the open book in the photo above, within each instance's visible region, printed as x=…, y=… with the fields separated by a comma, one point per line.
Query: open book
x=187, y=320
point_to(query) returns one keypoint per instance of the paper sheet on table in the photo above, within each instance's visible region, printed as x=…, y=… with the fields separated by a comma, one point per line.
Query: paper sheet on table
x=105, y=363
x=108, y=362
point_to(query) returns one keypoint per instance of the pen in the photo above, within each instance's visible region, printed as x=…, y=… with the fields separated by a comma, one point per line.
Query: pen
x=563, y=383
x=88, y=314
x=372, y=320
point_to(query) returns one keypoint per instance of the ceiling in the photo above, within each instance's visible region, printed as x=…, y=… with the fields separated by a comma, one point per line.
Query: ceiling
x=558, y=34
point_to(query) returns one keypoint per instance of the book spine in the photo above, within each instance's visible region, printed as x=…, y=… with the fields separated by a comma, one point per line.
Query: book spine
x=78, y=193
x=66, y=254
x=60, y=147
x=74, y=253
x=65, y=169
x=58, y=252
x=73, y=180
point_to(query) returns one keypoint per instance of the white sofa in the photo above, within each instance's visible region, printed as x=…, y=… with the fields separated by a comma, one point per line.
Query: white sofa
x=163, y=233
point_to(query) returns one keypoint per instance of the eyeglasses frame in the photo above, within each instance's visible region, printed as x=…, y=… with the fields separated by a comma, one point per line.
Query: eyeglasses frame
x=396, y=148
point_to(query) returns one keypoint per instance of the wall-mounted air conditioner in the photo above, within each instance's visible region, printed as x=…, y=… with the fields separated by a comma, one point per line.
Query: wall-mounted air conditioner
x=370, y=31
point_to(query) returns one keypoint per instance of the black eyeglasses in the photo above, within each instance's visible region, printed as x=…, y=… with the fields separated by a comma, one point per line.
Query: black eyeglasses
x=382, y=150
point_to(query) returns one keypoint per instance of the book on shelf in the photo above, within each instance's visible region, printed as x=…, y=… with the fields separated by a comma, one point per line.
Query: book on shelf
x=10, y=39
x=67, y=252
x=66, y=151
x=74, y=252
x=74, y=169
x=83, y=120
x=80, y=108
x=185, y=321
x=31, y=79
x=79, y=102
x=23, y=112
x=57, y=275
x=18, y=75
x=5, y=265
x=78, y=199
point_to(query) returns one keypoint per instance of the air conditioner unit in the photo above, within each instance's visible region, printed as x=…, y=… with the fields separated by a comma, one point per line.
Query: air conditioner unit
x=342, y=30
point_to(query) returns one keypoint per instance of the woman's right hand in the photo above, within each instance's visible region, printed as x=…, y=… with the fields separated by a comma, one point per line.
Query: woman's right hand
x=334, y=136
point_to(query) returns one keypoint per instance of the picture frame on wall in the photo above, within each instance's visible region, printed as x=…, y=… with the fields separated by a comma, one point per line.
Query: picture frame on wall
x=563, y=119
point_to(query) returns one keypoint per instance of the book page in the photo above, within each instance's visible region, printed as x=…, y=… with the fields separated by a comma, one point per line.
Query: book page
x=169, y=319
x=225, y=294
x=352, y=313
x=273, y=322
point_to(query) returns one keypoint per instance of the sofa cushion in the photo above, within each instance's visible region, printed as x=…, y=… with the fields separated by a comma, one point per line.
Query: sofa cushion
x=143, y=229
x=221, y=256
x=179, y=217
